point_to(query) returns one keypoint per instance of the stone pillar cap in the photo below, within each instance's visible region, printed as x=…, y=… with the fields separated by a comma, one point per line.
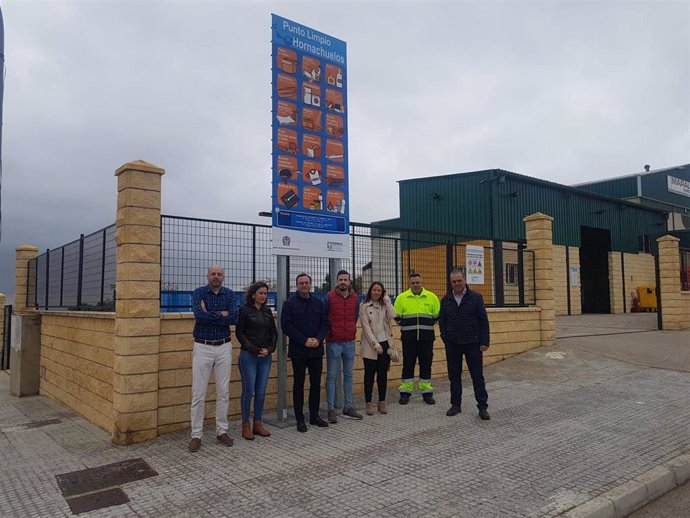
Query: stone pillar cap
x=667, y=238
x=27, y=248
x=537, y=216
x=140, y=165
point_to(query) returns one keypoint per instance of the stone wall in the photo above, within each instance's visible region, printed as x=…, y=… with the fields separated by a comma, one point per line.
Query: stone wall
x=513, y=330
x=130, y=372
x=675, y=304
x=639, y=271
x=2, y=319
x=77, y=363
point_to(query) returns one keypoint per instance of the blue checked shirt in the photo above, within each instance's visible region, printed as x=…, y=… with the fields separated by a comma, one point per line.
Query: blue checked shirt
x=210, y=324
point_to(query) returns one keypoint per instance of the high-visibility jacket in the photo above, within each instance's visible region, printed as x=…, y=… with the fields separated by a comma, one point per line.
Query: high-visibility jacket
x=416, y=315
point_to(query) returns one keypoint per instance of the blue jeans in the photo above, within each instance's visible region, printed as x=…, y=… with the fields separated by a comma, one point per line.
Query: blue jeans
x=339, y=355
x=254, y=372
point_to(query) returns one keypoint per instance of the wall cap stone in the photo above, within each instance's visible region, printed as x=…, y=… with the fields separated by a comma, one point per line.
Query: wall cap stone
x=140, y=165
x=78, y=314
x=188, y=315
x=537, y=216
x=528, y=309
x=667, y=238
x=26, y=248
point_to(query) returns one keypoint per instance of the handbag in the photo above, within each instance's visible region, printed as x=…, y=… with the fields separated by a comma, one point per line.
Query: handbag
x=393, y=353
x=392, y=350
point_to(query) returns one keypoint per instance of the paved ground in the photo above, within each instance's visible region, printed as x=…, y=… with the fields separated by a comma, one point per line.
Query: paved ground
x=592, y=325
x=570, y=423
x=675, y=504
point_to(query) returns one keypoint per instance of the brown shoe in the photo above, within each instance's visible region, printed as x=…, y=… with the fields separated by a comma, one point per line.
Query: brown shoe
x=382, y=407
x=194, y=444
x=260, y=430
x=247, y=432
x=370, y=408
x=225, y=440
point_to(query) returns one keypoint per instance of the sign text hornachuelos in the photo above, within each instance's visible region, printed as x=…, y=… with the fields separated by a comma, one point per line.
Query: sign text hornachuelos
x=310, y=160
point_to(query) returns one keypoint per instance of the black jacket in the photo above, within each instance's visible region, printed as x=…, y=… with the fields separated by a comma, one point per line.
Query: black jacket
x=301, y=319
x=466, y=323
x=256, y=329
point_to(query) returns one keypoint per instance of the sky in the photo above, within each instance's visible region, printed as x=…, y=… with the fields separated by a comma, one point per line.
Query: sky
x=566, y=91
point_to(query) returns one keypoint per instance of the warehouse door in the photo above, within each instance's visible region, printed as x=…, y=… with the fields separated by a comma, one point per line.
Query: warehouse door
x=594, y=269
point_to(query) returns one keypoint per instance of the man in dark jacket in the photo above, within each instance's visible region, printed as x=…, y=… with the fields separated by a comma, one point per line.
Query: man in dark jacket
x=305, y=321
x=464, y=329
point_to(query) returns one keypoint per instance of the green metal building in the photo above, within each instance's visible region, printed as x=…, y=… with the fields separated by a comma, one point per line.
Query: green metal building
x=492, y=203
x=665, y=189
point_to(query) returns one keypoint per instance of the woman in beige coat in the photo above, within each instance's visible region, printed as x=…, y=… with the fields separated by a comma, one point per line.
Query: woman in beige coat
x=375, y=314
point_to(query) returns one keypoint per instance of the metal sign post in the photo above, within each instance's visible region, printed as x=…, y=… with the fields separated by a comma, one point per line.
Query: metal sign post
x=283, y=289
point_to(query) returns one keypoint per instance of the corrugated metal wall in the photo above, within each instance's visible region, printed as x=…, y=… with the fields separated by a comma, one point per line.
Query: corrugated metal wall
x=616, y=188
x=492, y=204
x=655, y=186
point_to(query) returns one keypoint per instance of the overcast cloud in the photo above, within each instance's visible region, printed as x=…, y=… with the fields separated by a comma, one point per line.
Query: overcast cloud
x=564, y=91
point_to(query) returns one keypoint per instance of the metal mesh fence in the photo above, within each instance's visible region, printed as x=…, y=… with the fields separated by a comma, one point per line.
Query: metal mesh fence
x=388, y=255
x=78, y=275
x=81, y=274
x=685, y=269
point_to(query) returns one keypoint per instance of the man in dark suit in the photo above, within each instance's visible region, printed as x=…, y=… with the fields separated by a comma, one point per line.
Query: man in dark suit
x=464, y=329
x=304, y=319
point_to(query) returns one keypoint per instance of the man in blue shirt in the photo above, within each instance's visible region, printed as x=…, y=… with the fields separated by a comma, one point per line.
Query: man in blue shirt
x=214, y=311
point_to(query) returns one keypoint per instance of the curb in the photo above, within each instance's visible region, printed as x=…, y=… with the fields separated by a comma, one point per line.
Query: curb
x=624, y=499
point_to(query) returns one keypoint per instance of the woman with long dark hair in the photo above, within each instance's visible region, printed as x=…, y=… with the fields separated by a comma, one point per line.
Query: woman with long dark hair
x=256, y=332
x=375, y=314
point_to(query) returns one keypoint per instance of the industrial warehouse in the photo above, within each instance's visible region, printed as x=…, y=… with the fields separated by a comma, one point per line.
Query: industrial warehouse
x=604, y=233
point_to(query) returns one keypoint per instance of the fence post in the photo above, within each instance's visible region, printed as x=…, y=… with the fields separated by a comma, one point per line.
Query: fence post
x=102, y=267
x=47, y=276
x=2, y=330
x=398, y=257
x=450, y=263
x=253, y=254
x=499, y=298
x=62, y=272
x=23, y=254
x=137, y=309
x=521, y=273
x=539, y=232
x=668, y=289
x=80, y=272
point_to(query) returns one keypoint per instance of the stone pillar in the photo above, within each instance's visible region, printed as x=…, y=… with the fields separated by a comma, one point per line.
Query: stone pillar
x=616, y=294
x=539, y=231
x=2, y=319
x=669, y=283
x=23, y=254
x=137, y=308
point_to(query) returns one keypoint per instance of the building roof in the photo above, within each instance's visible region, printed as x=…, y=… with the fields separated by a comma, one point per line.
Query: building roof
x=634, y=175
x=538, y=181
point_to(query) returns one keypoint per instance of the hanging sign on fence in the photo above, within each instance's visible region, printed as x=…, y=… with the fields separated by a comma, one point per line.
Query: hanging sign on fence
x=310, y=161
x=475, y=264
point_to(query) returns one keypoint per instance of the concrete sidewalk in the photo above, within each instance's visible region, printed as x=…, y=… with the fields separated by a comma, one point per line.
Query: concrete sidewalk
x=577, y=429
x=592, y=325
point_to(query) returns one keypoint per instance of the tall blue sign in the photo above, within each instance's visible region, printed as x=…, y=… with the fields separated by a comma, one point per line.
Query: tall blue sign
x=310, y=161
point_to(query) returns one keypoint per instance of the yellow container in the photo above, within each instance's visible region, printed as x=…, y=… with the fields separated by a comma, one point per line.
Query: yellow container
x=647, y=295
